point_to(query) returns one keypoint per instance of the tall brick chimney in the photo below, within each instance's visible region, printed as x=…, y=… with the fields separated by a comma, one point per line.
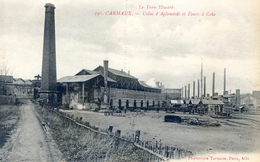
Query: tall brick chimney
x=213, y=84
x=205, y=88
x=198, y=88
x=105, y=80
x=185, y=92
x=188, y=91
x=237, y=104
x=224, y=92
x=49, y=78
x=193, y=89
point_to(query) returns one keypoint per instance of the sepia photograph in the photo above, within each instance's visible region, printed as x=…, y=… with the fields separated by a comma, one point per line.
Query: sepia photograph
x=129, y=80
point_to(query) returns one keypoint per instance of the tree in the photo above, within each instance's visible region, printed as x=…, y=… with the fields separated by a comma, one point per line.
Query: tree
x=4, y=72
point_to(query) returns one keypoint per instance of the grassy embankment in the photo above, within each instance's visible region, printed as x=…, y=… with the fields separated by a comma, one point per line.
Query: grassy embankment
x=9, y=117
x=81, y=144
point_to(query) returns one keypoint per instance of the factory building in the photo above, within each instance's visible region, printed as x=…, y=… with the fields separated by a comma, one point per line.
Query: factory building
x=250, y=102
x=105, y=87
x=21, y=88
x=172, y=93
x=15, y=89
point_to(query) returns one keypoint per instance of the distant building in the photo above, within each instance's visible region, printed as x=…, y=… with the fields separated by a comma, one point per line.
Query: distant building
x=250, y=102
x=256, y=94
x=172, y=94
x=13, y=89
x=22, y=89
x=213, y=107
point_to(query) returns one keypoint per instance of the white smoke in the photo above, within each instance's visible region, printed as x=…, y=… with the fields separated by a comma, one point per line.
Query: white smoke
x=151, y=82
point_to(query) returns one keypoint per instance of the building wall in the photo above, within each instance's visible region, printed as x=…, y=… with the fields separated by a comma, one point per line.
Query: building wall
x=133, y=94
x=215, y=109
x=95, y=96
x=172, y=94
x=72, y=98
x=256, y=94
x=132, y=97
x=21, y=91
x=250, y=102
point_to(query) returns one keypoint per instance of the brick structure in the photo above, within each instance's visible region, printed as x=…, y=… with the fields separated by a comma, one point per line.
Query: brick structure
x=49, y=79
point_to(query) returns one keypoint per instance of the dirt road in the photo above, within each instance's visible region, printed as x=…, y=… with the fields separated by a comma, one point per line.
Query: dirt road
x=31, y=141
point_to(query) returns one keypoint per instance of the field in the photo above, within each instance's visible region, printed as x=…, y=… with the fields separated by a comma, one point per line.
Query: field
x=240, y=134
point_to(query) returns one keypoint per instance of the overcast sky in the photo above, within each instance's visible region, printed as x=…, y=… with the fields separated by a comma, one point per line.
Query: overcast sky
x=167, y=49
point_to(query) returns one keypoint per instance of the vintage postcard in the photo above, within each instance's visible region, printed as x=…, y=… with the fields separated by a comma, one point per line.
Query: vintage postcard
x=129, y=80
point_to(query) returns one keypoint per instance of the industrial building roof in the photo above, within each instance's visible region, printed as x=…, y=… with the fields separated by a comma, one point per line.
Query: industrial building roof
x=217, y=97
x=194, y=101
x=79, y=78
x=118, y=72
x=176, y=101
x=187, y=101
x=229, y=95
x=212, y=102
x=91, y=72
x=18, y=81
x=27, y=81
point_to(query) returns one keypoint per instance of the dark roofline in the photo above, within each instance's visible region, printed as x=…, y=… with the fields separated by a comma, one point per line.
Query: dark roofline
x=87, y=70
x=123, y=74
x=18, y=79
x=80, y=78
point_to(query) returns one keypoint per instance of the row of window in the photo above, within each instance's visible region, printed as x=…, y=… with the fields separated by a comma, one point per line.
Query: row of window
x=135, y=103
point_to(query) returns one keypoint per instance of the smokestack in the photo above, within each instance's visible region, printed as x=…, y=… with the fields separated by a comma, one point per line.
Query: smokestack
x=181, y=92
x=198, y=88
x=49, y=78
x=237, y=98
x=213, y=84
x=193, y=89
x=188, y=91
x=224, y=81
x=185, y=93
x=201, y=76
x=205, y=86
x=129, y=73
x=105, y=80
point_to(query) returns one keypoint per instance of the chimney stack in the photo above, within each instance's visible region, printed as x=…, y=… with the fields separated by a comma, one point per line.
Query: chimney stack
x=105, y=80
x=205, y=86
x=188, y=91
x=224, y=81
x=185, y=93
x=237, y=98
x=193, y=89
x=198, y=88
x=213, y=84
x=201, y=81
x=181, y=92
x=49, y=78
